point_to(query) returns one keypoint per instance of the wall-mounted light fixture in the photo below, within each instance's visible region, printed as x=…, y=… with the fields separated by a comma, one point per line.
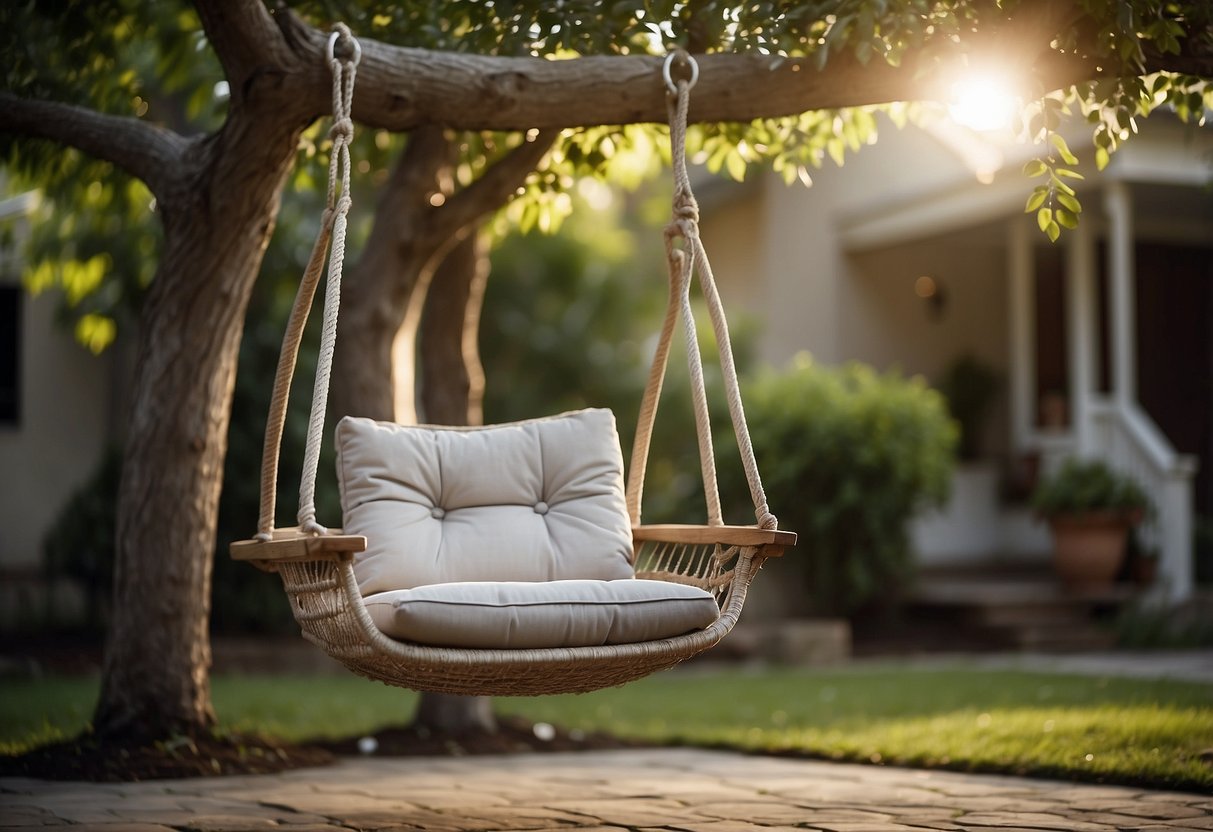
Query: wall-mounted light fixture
x=929, y=290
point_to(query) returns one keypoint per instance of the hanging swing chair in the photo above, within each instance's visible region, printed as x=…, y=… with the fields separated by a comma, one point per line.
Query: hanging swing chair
x=508, y=560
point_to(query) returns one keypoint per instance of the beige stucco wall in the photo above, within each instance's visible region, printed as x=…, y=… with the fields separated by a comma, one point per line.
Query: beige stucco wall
x=884, y=323
x=65, y=394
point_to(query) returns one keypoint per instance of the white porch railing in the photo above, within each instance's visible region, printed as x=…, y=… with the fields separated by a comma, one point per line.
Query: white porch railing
x=1127, y=439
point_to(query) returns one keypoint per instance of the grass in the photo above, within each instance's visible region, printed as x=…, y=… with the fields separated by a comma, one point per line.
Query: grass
x=1154, y=733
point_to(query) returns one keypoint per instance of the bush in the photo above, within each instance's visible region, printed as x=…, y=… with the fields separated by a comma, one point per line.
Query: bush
x=848, y=455
x=80, y=543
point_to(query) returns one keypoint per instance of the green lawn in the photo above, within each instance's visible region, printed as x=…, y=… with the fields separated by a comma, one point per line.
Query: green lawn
x=1113, y=730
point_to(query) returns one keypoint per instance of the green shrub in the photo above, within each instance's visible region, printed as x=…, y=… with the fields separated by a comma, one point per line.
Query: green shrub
x=80, y=543
x=848, y=455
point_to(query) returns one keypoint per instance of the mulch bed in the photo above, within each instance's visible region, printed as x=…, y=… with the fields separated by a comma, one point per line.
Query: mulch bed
x=88, y=758
x=514, y=736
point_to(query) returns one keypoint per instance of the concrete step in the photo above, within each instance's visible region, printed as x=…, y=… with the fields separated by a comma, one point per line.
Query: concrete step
x=994, y=606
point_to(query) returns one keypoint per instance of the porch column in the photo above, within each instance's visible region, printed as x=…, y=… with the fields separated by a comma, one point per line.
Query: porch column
x=1021, y=295
x=1118, y=205
x=1083, y=350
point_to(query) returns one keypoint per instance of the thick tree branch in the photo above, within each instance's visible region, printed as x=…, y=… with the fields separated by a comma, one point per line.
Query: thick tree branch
x=144, y=150
x=245, y=38
x=494, y=187
x=400, y=88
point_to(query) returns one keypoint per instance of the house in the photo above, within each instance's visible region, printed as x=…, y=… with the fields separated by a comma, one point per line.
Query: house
x=918, y=252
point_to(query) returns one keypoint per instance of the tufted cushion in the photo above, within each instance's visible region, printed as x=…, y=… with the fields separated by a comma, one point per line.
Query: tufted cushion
x=532, y=615
x=539, y=500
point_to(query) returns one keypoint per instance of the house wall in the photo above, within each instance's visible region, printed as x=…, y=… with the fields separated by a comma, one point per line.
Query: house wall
x=62, y=432
x=64, y=421
x=884, y=323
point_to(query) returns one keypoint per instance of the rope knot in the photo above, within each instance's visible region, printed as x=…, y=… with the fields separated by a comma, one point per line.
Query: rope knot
x=351, y=49
x=685, y=207
x=342, y=128
x=767, y=521
x=310, y=526
x=686, y=211
x=343, y=204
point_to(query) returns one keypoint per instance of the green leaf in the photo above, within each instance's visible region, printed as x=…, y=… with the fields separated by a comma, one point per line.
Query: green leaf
x=735, y=165
x=1054, y=231
x=1060, y=143
x=1034, y=167
x=1044, y=217
x=1069, y=174
x=836, y=149
x=1036, y=200
x=1066, y=218
x=1070, y=202
x=1101, y=158
x=96, y=332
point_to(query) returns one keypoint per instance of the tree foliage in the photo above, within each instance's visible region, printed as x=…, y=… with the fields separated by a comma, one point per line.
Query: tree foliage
x=96, y=238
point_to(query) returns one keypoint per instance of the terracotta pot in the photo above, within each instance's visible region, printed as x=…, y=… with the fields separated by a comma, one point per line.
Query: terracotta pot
x=1089, y=549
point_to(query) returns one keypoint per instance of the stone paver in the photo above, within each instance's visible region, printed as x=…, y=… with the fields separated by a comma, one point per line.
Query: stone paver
x=664, y=790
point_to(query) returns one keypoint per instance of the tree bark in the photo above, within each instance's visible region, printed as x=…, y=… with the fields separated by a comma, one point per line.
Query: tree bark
x=157, y=654
x=218, y=212
x=452, y=378
x=406, y=87
x=378, y=292
x=443, y=713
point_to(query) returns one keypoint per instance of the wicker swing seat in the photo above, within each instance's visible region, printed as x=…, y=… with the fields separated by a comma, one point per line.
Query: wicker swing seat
x=329, y=575
x=317, y=574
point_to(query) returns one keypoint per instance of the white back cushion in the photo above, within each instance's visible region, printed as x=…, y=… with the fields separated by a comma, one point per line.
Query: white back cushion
x=538, y=500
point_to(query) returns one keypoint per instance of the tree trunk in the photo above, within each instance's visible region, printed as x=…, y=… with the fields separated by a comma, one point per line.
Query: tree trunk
x=157, y=654
x=378, y=292
x=452, y=378
x=444, y=713
x=452, y=391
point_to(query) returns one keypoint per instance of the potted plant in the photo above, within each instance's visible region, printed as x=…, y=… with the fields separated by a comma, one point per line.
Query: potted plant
x=1090, y=509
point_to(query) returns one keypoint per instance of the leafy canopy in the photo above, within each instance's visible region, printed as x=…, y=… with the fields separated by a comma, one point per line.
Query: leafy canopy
x=95, y=236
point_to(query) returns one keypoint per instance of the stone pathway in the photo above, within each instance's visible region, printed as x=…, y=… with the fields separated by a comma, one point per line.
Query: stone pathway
x=673, y=790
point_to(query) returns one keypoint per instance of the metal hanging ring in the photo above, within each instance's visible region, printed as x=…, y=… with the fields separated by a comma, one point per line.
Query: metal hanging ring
x=669, y=62
x=333, y=38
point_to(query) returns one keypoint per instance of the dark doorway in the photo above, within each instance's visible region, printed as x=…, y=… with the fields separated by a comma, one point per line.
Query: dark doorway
x=1175, y=350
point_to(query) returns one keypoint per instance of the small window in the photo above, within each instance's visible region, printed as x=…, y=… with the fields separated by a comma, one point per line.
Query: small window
x=10, y=355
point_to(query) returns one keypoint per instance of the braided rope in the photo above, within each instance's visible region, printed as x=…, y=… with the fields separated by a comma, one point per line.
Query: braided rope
x=684, y=225
x=332, y=229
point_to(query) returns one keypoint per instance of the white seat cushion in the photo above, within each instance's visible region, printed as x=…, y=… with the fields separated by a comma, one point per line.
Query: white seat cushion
x=540, y=500
x=535, y=615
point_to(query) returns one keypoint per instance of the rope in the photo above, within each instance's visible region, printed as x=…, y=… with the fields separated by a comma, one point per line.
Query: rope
x=332, y=228
x=684, y=225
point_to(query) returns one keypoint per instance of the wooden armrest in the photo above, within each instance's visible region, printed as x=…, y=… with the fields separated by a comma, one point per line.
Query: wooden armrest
x=292, y=545
x=775, y=540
